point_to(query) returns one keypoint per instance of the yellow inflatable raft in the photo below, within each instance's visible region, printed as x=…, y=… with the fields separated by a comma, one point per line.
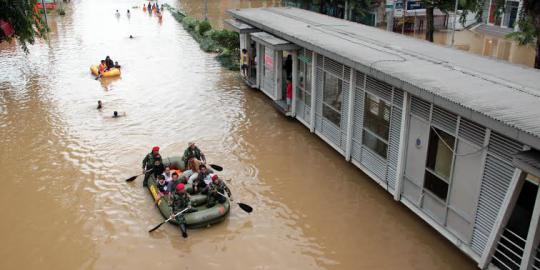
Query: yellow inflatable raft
x=110, y=73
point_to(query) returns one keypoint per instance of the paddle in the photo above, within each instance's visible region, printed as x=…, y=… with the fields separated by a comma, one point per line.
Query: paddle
x=99, y=76
x=248, y=209
x=169, y=219
x=216, y=167
x=135, y=176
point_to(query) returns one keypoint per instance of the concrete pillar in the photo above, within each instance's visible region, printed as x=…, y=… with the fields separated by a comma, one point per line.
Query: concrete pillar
x=350, y=124
x=278, y=68
x=403, y=134
x=520, y=6
x=502, y=218
x=260, y=64
x=313, y=90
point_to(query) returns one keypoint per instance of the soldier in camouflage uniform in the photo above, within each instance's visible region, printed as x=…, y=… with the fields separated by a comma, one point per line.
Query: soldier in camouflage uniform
x=148, y=163
x=217, y=186
x=180, y=202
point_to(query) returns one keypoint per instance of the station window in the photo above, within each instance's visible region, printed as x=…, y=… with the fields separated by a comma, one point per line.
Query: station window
x=376, y=124
x=332, y=98
x=439, y=162
x=304, y=82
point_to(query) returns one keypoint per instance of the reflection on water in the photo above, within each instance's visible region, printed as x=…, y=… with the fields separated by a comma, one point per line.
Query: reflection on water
x=65, y=204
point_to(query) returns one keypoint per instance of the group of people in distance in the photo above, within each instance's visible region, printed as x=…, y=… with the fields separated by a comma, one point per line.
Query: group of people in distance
x=152, y=7
x=107, y=64
x=171, y=183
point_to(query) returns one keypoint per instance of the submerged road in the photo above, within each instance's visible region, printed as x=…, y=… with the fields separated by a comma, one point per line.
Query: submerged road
x=64, y=203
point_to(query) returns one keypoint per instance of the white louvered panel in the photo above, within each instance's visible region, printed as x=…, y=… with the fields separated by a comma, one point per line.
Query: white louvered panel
x=318, y=123
x=344, y=114
x=319, y=91
x=360, y=77
x=495, y=183
x=420, y=108
x=393, y=143
x=346, y=73
x=301, y=111
x=391, y=178
x=444, y=119
x=503, y=146
x=320, y=60
x=333, y=67
x=373, y=163
x=331, y=132
x=358, y=117
x=307, y=114
x=356, y=151
x=398, y=97
x=379, y=88
x=471, y=131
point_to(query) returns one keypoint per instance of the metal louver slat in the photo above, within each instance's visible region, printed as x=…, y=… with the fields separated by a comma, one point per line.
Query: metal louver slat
x=495, y=183
x=446, y=120
x=356, y=151
x=360, y=77
x=379, y=88
x=393, y=144
x=346, y=73
x=471, y=131
x=398, y=97
x=333, y=67
x=344, y=115
x=358, y=118
x=420, y=108
x=374, y=163
x=331, y=132
x=503, y=146
x=319, y=91
x=320, y=60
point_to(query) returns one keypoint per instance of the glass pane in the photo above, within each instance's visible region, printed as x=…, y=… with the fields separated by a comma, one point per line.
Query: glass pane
x=308, y=78
x=439, y=159
x=331, y=115
x=308, y=99
x=377, y=116
x=332, y=94
x=436, y=185
x=300, y=94
x=375, y=144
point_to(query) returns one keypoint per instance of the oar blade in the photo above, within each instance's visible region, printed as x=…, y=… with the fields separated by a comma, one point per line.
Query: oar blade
x=216, y=167
x=131, y=178
x=157, y=227
x=245, y=207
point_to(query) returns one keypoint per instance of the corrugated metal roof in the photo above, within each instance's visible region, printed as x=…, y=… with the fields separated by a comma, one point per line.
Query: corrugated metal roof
x=501, y=91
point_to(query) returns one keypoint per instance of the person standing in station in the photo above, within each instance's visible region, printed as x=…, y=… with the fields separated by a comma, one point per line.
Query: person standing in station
x=243, y=63
x=148, y=163
x=289, y=95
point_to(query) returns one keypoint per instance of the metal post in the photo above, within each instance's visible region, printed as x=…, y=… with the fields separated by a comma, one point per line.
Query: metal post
x=45, y=15
x=454, y=24
x=390, y=15
x=404, y=16
x=205, y=10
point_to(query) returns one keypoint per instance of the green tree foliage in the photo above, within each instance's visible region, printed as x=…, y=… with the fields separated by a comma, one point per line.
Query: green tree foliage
x=529, y=27
x=26, y=22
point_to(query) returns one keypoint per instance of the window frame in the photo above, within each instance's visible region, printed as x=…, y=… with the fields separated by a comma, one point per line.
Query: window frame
x=436, y=132
x=305, y=90
x=329, y=106
x=365, y=128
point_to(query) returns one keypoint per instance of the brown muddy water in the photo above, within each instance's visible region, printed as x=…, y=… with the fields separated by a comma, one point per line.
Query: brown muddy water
x=64, y=203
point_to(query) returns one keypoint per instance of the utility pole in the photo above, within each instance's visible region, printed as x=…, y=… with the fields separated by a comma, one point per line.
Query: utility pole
x=404, y=16
x=454, y=24
x=390, y=15
x=45, y=14
x=205, y=10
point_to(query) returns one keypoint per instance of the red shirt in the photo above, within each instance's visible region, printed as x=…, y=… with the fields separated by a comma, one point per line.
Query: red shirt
x=289, y=90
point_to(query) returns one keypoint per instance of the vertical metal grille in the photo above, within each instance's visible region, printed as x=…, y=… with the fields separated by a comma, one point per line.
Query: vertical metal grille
x=344, y=115
x=318, y=99
x=471, y=131
x=420, y=108
x=333, y=67
x=320, y=60
x=358, y=123
x=444, y=119
x=360, y=77
x=398, y=97
x=308, y=54
x=495, y=183
x=374, y=163
x=503, y=146
x=379, y=88
x=346, y=73
x=393, y=145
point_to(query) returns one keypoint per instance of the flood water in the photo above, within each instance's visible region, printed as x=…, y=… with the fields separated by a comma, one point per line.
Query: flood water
x=64, y=203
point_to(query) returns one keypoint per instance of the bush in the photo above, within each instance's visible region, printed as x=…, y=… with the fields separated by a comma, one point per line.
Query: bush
x=227, y=39
x=204, y=26
x=190, y=23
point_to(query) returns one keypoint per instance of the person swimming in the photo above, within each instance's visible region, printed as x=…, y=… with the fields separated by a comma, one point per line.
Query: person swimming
x=99, y=105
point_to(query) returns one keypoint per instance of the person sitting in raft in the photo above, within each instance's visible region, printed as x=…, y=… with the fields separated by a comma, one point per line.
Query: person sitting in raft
x=200, y=182
x=158, y=168
x=102, y=67
x=130, y=36
x=116, y=65
x=193, y=152
x=99, y=105
x=148, y=163
x=181, y=201
x=117, y=13
x=163, y=188
x=175, y=180
x=109, y=62
x=167, y=174
x=192, y=169
x=214, y=188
